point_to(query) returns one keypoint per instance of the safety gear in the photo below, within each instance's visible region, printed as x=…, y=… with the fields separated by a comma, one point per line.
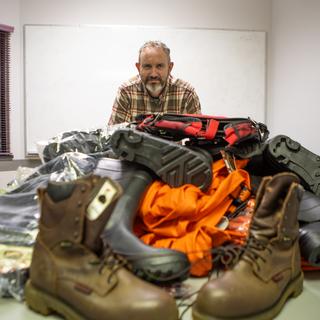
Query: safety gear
x=158, y=265
x=72, y=274
x=283, y=153
x=173, y=163
x=221, y=131
x=268, y=271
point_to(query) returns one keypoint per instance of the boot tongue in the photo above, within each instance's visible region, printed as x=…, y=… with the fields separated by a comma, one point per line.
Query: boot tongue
x=101, y=203
x=59, y=192
x=268, y=212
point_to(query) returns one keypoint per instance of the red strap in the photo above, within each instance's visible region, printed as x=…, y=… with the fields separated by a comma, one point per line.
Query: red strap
x=191, y=128
x=211, y=129
x=238, y=132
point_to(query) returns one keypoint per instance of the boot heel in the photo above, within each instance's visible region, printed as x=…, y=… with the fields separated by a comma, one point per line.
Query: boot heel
x=35, y=300
x=288, y=154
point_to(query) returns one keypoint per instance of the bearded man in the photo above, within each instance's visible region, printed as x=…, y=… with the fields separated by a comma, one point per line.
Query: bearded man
x=154, y=90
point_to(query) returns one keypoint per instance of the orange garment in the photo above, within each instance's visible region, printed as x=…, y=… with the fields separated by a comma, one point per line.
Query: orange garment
x=186, y=218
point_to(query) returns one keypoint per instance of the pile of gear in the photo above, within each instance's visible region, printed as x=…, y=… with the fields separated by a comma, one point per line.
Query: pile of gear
x=113, y=218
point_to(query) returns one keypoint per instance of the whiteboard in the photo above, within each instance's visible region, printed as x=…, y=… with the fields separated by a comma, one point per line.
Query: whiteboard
x=72, y=73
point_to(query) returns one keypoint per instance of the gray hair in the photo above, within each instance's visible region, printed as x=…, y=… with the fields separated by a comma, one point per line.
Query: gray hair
x=156, y=44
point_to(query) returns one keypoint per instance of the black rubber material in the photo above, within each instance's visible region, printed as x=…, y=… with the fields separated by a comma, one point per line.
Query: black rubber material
x=309, y=210
x=291, y=156
x=161, y=266
x=173, y=163
x=309, y=241
x=247, y=149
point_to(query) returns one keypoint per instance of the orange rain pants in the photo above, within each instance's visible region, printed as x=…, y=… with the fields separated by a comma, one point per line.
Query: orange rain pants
x=186, y=219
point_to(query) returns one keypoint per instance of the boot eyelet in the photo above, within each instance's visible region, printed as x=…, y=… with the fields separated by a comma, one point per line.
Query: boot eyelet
x=65, y=244
x=79, y=204
x=102, y=198
x=83, y=189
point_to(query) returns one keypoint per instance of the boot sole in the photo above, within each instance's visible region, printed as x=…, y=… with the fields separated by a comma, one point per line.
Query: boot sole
x=290, y=155
x=293, y=289
x=174, y=164
x=46, y=304
x=163, y=268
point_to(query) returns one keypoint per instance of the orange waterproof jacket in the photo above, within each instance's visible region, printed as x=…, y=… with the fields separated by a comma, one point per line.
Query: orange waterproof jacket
x=186, y=219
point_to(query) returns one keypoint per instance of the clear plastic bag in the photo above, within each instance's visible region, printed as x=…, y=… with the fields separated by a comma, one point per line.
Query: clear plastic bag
x=14, y=270
x=19, y=208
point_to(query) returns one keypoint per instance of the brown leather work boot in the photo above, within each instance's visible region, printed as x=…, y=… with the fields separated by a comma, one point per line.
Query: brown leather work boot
x=68, y=273
x=269, y=271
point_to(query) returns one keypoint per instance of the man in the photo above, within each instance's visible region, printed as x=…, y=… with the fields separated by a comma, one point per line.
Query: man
x=154, y=89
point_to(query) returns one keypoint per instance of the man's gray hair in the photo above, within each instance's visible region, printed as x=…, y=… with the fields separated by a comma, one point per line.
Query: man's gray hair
x=156, y=44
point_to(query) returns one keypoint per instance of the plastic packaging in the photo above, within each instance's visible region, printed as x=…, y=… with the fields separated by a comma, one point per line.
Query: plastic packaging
x=14, y=270
x=90, y=142
x=19, y=209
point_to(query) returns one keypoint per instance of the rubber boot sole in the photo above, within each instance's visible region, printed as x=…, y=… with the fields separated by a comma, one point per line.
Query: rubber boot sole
x=293, y=289
x=175, y=164
x=291, y=156
x=46, y=304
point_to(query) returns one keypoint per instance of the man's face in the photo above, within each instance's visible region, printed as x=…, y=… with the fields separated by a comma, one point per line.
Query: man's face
x=154, y=69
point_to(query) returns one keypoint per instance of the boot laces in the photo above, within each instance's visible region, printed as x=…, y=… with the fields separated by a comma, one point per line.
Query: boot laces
x=111, y=261
x=254, y=250
x=225, y=257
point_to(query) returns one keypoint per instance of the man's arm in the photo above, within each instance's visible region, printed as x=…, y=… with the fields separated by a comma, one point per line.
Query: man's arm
x=192, y=105
x=121, y=109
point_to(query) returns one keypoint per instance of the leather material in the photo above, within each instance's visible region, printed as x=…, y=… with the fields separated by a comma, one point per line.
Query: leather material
x=68, y=277
x=269, y=270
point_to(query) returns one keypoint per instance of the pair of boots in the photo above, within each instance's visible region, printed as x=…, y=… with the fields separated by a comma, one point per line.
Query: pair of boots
x=73, y=273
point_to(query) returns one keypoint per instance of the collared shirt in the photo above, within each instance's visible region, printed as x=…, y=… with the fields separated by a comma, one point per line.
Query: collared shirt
x=178, y=97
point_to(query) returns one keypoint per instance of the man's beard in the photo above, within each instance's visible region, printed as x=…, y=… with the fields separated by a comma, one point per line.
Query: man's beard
x=154, y=88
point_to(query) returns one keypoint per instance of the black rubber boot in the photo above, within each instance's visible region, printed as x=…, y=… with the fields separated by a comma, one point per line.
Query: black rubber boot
x=309, y=241
x=288, y=155
x=173, y=163
x=309, y=232
x=309, y=210
x=156, y=265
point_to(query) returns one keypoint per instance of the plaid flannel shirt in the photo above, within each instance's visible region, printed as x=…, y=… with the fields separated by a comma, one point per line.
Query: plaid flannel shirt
x=178, y=97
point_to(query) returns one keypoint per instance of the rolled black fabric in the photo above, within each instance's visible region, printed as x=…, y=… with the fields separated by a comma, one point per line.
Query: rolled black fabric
x=310, y=243
x=309, y=210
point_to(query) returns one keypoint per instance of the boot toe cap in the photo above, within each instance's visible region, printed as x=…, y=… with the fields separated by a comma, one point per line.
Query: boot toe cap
x=156, y=309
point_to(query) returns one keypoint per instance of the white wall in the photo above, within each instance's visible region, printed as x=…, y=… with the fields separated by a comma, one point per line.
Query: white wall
x=233, y=14
x=222, y=14
x=294, y=79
